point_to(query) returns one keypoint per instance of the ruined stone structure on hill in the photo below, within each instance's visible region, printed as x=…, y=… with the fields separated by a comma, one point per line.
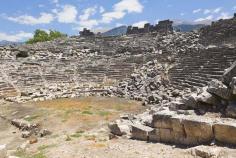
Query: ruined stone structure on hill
x=86, y=33
x=219, y=32
x=162, y=27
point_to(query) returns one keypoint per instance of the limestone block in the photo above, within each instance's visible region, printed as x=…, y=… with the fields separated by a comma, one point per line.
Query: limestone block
x=225, y=132
x=208, y=98
x=166, y=135
x=120, y=128
x=229, y=74
x=190, y=101
x=198, y=130
x=140, y=132
x=218, y=88
x=154, y=135
x=162, y=119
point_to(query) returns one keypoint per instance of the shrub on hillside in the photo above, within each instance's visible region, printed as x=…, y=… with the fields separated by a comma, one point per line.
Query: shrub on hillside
x=42, y=36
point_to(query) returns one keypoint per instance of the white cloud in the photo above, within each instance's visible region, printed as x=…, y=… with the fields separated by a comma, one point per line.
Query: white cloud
x=15, y=38
x=212, y=11
x=68, y=14
x=120, y=9
x=109, y=16
x=90, y=23
x=140, y=24
x=205, y=20
x=55, y=1
x=87, y=13
x=224, y=15
x=119, y=24
x=44, y=18
x=182, y=14
x=85, y=21
x=234, y=8
x=101, y=9
x=197, y=10
x=217, y=10
x=129, y=5
x=207, y=11
x=41, y=6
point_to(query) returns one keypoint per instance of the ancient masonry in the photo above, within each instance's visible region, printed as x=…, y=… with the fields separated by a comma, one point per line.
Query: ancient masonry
x=181, y=77
x=162, y=27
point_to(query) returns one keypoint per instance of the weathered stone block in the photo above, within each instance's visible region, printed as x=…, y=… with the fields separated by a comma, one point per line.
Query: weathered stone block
x=190, y=101
x=198, y=130
x=218, y=88
x=166, y=135
x=225, y=132
x=229, y=74
x=154, y=135
x=162, y=119
x=119, y=128
x=208, y=98
x=140, y=132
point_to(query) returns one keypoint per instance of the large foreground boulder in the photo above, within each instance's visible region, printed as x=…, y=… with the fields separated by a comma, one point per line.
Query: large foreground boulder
x=225, y=132
x=231, y=109
x=120, y=127
x=229, y=74
x=181, y=129
x=207, y=98
x=217, y=88
x=198, y=130
x=140, y=132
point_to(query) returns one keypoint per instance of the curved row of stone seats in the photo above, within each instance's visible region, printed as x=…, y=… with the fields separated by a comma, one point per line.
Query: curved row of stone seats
x=196, y=69
x=6, y=89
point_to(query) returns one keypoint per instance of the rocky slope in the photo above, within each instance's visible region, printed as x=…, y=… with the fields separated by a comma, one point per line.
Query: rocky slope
x=205, y=116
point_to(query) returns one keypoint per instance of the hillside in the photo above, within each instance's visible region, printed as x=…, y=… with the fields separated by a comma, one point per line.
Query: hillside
x=116, y=31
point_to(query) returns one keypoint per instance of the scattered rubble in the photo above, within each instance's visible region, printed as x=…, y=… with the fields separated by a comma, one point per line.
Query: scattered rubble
x=174, y=123
x=29, y=129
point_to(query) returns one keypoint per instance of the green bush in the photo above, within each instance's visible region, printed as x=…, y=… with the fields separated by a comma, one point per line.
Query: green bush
x=42, y=36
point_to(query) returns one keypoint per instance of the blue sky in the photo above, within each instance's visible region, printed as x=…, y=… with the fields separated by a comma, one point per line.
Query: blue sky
x=19, y=18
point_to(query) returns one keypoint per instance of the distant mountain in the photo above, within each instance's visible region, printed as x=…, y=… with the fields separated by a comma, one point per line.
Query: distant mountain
x=116, y=31
x=188, y=27
x=5, y=43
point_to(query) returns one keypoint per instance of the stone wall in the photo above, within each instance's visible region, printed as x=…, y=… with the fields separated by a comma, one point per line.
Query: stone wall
x=163, y=27
x=86, y=33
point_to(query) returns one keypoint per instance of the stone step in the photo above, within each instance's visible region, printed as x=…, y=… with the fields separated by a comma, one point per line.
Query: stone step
x=191, y=130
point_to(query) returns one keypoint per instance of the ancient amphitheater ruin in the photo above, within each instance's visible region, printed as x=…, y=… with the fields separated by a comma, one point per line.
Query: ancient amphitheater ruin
x=186, y=81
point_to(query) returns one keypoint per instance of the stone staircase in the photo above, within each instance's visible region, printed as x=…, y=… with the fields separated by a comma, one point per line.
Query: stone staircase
x=196, y=69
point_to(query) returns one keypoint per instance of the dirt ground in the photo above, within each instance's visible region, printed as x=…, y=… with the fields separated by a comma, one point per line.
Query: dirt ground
x=79, y=130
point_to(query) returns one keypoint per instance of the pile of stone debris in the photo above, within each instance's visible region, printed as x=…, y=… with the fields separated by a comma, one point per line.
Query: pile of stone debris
x=149, y=84
x=28, y=129
x=206, y=116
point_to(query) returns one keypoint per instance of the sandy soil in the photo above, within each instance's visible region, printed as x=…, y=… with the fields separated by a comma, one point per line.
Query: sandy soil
x=79, y=130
